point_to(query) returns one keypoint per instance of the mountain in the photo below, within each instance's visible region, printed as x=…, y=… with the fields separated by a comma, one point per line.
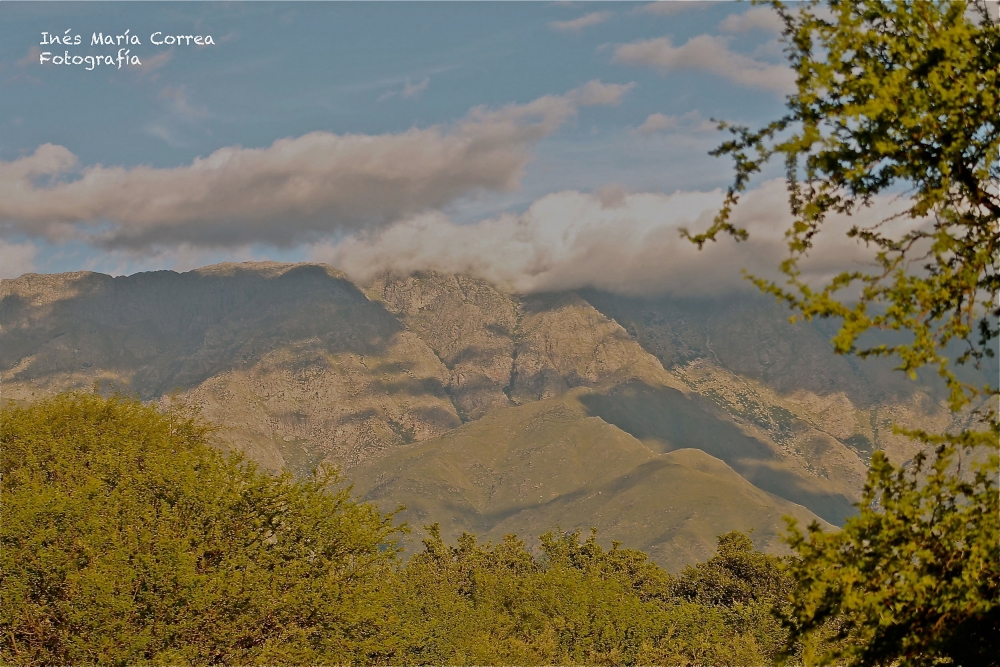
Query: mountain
x=712, y=408
x=549, y=463
x=294, y=361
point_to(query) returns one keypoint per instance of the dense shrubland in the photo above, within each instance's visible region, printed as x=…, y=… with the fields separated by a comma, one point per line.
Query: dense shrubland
x=127, y=539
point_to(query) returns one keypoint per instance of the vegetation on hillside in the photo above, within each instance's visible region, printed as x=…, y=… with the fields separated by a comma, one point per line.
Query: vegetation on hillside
x=126, y=539
x=897, y=97
x=548, y=463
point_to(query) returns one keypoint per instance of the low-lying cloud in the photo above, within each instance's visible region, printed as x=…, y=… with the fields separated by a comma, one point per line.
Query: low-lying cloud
x=707, y=53
x=293, y=190
x=611, y=240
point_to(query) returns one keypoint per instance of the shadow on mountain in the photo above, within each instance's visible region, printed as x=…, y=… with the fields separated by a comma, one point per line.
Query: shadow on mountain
x=665, y=420
x=470, y=354
x=750, y=335
x=409, y=387
x=169, y=331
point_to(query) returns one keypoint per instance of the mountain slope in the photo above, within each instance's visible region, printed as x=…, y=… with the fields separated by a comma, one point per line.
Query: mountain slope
x=293, y=361
x=741, y=351
x=549, y=463
x=300, y=366
x=554, y=342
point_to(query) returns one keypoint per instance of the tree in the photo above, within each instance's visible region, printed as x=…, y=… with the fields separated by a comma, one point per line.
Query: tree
x=577, y=603
x=909, y=583
x=897, y=97
x=749, y=584
x=125, y=538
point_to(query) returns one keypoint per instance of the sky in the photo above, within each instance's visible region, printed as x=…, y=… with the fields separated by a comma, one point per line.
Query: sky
x=539, y=145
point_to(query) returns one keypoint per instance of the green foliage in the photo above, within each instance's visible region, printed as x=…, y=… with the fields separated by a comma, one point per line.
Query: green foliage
x=749, y=585
x=914, y=579
x=897, y=96
x=577, y=603
x=738, y=574
x=891, y=94
x=127, y=540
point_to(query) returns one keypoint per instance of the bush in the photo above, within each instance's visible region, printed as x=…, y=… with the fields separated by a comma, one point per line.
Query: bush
x=126, y=539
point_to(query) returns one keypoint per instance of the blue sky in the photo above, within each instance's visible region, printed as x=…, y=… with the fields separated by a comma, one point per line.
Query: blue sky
x=468, y=112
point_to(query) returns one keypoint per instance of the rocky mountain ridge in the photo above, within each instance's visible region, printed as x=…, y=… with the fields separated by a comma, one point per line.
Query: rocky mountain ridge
x=300, y=366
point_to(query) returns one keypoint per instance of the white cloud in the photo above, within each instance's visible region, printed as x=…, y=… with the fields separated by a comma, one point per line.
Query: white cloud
x=595, y=93
x=296, y=188
x=408, y=91
x=176, y=97
x=756, y=18
x=708, y=53
x=414, y=89
x=612, y=240
x=689, y=122
x=671, y=7
x=166, y=134
x=585, y=21
x=657, y=122
x=150, y=65
x=16, y=259
x=772, y=49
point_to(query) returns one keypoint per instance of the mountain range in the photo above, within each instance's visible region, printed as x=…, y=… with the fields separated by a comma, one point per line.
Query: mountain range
x=661, y=421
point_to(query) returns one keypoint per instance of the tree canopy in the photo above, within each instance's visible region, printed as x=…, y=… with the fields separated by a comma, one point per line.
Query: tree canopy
x=897, y=98
x=892, y=97
x=125, y=538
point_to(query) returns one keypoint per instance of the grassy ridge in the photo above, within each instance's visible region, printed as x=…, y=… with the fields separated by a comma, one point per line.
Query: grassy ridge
x=527, y=469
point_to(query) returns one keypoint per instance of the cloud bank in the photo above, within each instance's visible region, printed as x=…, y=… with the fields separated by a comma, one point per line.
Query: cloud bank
x=611, y=240
x=293, y=190
x=707, y=53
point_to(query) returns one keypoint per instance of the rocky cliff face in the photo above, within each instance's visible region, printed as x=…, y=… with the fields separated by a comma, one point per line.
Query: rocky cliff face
x=505, y=350
x=469, y=325
x=743, y=353
x=295, y=362
x=300, y=366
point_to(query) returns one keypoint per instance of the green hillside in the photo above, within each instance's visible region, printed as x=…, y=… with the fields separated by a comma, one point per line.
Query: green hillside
x=666, y=419
x=532, y=468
